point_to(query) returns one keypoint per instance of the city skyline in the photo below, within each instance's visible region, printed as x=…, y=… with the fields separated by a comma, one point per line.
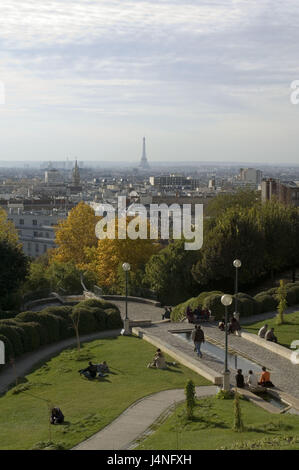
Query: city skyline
x=203, y=81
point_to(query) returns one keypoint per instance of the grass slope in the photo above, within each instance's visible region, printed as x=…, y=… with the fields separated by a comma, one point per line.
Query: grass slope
x=286, y=333
x=88, y=406
x=211, y=429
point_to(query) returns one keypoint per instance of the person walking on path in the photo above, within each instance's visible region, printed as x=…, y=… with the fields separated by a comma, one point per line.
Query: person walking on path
x=198, y=338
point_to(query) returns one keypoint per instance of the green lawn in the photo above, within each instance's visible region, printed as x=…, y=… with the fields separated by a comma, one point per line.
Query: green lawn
x=211, y=429
x=285, y=333
x=87, y=405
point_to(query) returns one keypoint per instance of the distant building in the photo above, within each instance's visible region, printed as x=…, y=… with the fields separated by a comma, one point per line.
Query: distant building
x=285, y=192
x=250, y=175
x=35, y=228
x=174, y=181
x=53, y=177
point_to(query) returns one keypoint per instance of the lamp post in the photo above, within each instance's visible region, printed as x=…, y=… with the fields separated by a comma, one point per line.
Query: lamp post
x=126, y=330
x=226, y=300
x=237, y=264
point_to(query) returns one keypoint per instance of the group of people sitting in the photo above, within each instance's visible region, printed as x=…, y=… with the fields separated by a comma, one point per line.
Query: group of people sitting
x=197, y=315
x=267, y=334
x=233, y=326
x=93, y=370
x=252, y=381
x=159, y=361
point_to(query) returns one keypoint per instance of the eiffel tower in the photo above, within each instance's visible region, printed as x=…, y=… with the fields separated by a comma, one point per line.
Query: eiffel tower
x=143, y=162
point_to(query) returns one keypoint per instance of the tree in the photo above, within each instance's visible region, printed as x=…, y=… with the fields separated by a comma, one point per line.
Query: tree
x=7, y=229
x=276, y=223
x=242, y=199
x=104, y=259
x=238, y=422
x=282, y=299
x=234, y=235
x=169, y=273
x=190, y=398
x=75, y=234
x=13, y=270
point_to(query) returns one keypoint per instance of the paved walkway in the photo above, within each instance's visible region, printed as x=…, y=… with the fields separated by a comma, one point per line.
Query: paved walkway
x=284, y=374
x=139, y=311
x=266, y=316
x=125, y=429
x=28, y=361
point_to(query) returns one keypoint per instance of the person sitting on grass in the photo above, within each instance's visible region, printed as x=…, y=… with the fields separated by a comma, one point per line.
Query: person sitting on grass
x=270, y=336
x=90, y=372
x=240, y=379
x=265, y=378
x=57, y=416
x=158, y=361
x=263, y=331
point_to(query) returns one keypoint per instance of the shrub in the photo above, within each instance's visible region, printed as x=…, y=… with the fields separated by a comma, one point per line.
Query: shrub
x=113, y=319
x=179, y=310
x=267, y=302
x=49, y=324
x=13, y=335
x=295, y=291
x=238, y=422
x=291, y=296
x=190, y=398
x=87, y=321
x=213, y=303
x=247, y=305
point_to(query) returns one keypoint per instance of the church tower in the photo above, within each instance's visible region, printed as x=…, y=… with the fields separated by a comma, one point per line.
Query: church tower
x=76, y=175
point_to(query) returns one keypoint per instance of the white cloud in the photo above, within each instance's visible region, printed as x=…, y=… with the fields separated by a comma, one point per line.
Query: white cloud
x=158, y=64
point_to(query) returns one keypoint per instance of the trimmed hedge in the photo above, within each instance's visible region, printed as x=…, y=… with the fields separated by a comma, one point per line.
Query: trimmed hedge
x=29, y=330
x=178, y=312
x=266, y=301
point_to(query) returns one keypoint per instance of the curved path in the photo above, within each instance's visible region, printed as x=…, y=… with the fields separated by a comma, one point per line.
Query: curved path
x=28, y=361
x=133, y=422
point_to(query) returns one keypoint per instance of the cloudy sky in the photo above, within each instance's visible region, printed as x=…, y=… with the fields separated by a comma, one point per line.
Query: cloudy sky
x=201, y=79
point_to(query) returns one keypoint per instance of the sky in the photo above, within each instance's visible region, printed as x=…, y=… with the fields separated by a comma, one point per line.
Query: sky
x=202, y=80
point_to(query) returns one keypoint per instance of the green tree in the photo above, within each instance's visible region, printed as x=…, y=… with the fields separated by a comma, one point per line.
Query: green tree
x=234, y=235
x=242, y=199
x=169, y=273
x=276, y=223
x=13, y=270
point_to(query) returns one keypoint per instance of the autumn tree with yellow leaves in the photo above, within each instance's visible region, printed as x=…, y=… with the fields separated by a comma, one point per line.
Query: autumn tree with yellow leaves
x=105, y=259
x=75, y=235
x=77, y=242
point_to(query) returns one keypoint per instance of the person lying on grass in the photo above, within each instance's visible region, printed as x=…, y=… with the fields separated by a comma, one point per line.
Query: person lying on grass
x=102, y=369
x=90, y=372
